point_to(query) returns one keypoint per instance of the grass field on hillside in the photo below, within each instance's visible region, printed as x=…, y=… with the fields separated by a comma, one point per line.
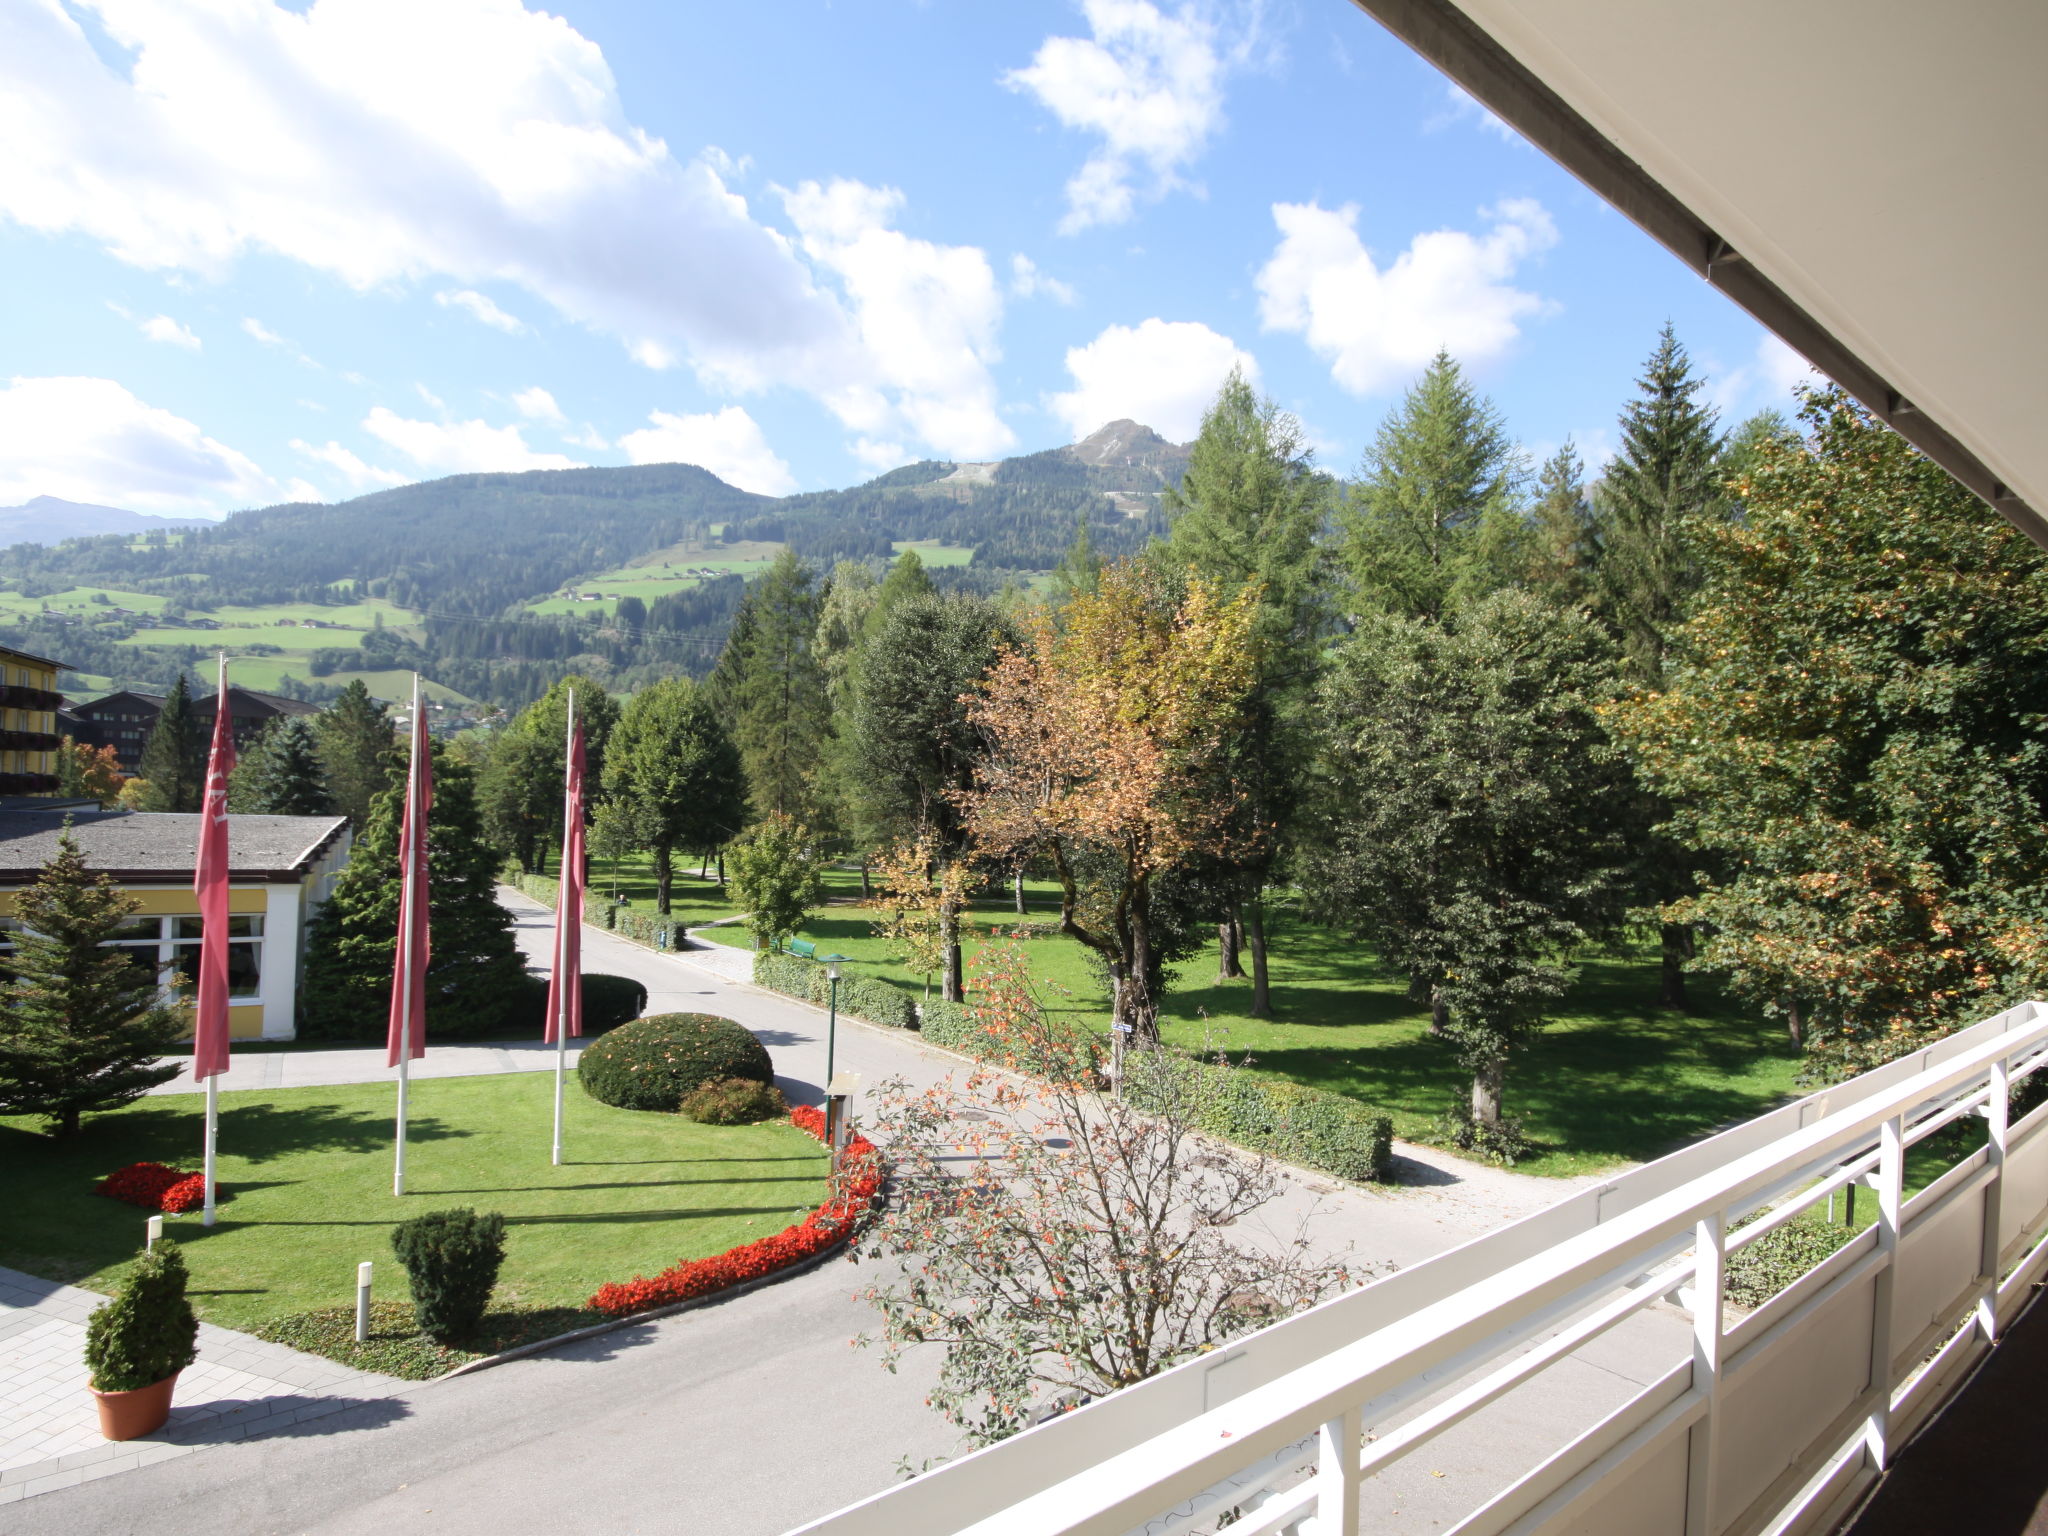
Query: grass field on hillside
x=307, y=1175
x=657, y=575
x=265, y=672
x=261, y=626
x=931, y=552
x=1615, y=1078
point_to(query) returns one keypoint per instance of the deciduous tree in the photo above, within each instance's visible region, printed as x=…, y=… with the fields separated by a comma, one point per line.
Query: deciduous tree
x=778, y=875
x=1096, y=1245
x=1470, y=819
x=1107, y=752
x=674, y=776
x=1855, y=719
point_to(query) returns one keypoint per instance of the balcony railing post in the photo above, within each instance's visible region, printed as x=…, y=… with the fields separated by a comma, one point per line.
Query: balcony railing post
x=1996, y=1119
x=1708, y=1287
x=1891, y=1182
x=1337, y=1452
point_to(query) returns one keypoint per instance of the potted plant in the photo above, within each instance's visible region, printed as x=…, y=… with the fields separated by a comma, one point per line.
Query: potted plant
x=136, y=1345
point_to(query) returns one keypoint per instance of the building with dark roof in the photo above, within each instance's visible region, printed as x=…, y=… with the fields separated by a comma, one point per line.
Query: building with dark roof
x=124, y=720
x=29, y=702
x=281, y=870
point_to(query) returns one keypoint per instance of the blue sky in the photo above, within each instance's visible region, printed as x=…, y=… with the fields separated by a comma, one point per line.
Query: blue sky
x=258, y=252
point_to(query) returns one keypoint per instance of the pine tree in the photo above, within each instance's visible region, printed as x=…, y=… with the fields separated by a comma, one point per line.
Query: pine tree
x=1431, y=524
x=355, y=743
x=1247, y=513
x=1560, y=530
x=1661, y=483
x=781, y=714
x=477, y=987
x=1649, y=516
x=674, y=777
x=174, y=759
x=1080, y=568
x=84, y=1025
x=281, y=774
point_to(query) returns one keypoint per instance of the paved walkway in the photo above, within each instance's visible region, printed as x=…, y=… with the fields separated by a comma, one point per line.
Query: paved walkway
x=239, y=1386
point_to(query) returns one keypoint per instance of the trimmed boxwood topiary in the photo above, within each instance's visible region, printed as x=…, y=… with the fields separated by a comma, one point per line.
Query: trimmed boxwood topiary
x=147, y=1332
x=451, y=1260
x=652, y=1062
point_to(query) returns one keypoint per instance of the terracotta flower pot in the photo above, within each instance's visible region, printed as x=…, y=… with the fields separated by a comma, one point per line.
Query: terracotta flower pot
x=131, y=1415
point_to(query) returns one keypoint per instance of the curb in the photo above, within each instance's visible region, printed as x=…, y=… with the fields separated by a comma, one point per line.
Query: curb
x=731, y=1292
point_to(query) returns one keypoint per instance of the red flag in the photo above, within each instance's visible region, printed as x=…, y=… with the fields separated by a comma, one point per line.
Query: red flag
x=408, y=1025
x=210, y=885
x=569, y=904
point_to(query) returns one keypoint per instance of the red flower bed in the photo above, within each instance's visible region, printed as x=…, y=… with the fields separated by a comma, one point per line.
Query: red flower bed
x=859, y=1177
x=155, y=1187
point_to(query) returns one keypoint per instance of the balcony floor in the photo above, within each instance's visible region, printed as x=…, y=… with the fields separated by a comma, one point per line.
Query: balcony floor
x=1981, y=1466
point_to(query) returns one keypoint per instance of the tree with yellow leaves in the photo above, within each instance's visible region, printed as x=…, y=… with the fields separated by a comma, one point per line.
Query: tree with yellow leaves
x=1107, y=755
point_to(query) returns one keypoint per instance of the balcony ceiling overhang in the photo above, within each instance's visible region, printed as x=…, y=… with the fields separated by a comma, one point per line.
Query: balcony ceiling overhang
x=1868, y=178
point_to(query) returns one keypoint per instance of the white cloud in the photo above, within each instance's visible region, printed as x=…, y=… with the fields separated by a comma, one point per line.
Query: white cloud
x=1150, y=85
x=430, y=397
x=1765, y=382
x=462, y=143
x=589, y=438
x=262, y=332
x=91, y=440
x=926, y=316
x=353, y=469
x=728, y=442
x=536, y=404
x=1162, y=374
x=460, y=447
x=1376, y=326
x=1027, y=282
x=480, y=307
x=163, y=328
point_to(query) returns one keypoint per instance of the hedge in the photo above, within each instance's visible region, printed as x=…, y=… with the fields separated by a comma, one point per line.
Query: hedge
x=1310, y=1126
x=860, y=997
x=1073, y=1054
x=600, y=911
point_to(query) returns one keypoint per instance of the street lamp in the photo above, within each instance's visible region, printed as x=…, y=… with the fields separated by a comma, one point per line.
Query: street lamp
x=832, y=1013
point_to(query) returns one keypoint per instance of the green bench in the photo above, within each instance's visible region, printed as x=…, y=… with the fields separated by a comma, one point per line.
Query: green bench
x=803, y=949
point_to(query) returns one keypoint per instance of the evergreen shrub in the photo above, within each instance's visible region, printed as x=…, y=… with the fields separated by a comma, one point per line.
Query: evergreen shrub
x=608, y=1002
x=147, y=1332
x=733, y=1101
x=451, y=1261
x=652, y=1063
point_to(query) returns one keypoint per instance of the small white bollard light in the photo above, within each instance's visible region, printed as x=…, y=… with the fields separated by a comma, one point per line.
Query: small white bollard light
x=154, y=1229
x=363, y=1302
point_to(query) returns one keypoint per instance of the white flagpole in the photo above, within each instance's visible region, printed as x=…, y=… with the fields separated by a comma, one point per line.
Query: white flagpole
x=562, y=919
x=220, y=702
x=405, y=945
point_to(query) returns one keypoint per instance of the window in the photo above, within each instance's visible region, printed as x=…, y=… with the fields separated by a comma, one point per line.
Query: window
x=245, y=952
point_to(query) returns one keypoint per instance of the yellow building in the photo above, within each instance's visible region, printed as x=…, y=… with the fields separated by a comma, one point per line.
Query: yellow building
x=281, y=869
x=28, y=723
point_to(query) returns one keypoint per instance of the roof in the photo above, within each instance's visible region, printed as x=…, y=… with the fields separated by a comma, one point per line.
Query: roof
x=276, y=702
x=1866, y=179
x=155, y=700
x=158, y=846
x=41, y=661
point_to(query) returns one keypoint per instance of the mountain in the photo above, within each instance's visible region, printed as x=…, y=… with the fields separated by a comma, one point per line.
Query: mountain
x=51, y=519
x=480, y=581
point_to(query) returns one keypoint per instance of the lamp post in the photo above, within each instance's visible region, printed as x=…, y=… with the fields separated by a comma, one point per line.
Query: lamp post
x=832, y=1013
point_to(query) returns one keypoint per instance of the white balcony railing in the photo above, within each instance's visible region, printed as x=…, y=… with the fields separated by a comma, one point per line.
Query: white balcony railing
x=1772, y=1422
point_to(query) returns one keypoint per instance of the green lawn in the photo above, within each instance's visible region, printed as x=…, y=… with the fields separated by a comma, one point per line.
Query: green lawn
x=1615, y=1079
x=309, y=1175
x=264, y=673
x=692, y=900
x=931, y=552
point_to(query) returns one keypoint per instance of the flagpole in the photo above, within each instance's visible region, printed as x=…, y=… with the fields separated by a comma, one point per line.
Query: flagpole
x=405, y=947
x=563, y=917
x=220, y=703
